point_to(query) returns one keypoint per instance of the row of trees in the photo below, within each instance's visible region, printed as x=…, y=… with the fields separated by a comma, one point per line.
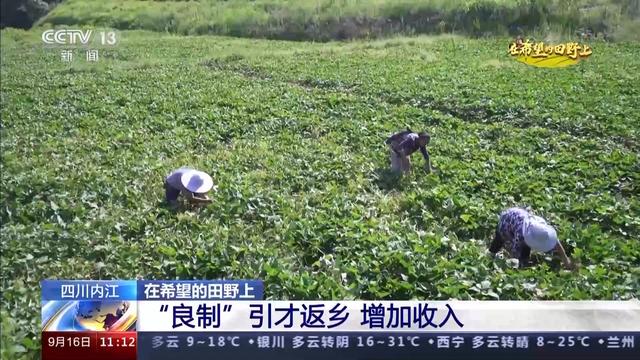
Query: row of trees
x=279, y=19
x=23, y=13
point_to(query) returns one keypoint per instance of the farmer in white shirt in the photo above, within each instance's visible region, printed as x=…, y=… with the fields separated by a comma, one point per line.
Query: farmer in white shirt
x=192, y=184
x=519, y=232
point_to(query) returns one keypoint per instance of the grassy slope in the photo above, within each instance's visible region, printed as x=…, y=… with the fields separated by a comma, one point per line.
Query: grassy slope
x=336, y=19
x=293, y=135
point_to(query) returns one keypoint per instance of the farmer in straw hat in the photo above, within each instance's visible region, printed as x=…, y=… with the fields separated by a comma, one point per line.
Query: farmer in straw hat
x=193, y=184
x=405, y=143
x=519, y=232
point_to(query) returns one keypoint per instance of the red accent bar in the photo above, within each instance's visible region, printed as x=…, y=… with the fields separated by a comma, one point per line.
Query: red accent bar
x=117, y=345
x=60, y=345
x=72, y=345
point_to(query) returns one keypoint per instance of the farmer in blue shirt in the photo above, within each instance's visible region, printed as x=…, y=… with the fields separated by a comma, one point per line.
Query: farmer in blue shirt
x=192, y=184
x=405, y=143
x=519, y=232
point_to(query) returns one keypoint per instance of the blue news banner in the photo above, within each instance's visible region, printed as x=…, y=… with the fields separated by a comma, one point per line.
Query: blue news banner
x=199, y=330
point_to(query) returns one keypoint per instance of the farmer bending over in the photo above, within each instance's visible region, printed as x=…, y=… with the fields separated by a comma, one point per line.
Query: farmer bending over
x=519, y=231
x=405, y=143
x=193, y=184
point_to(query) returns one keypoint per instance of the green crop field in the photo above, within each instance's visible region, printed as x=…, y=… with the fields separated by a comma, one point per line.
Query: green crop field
x=293, y=135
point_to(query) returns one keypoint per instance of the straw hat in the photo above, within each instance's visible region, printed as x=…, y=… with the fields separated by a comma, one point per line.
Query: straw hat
x=539, y=235
x=196, y=181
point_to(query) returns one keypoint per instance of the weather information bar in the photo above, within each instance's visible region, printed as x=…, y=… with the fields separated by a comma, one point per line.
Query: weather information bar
x=202, y=319
x=338, y=346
